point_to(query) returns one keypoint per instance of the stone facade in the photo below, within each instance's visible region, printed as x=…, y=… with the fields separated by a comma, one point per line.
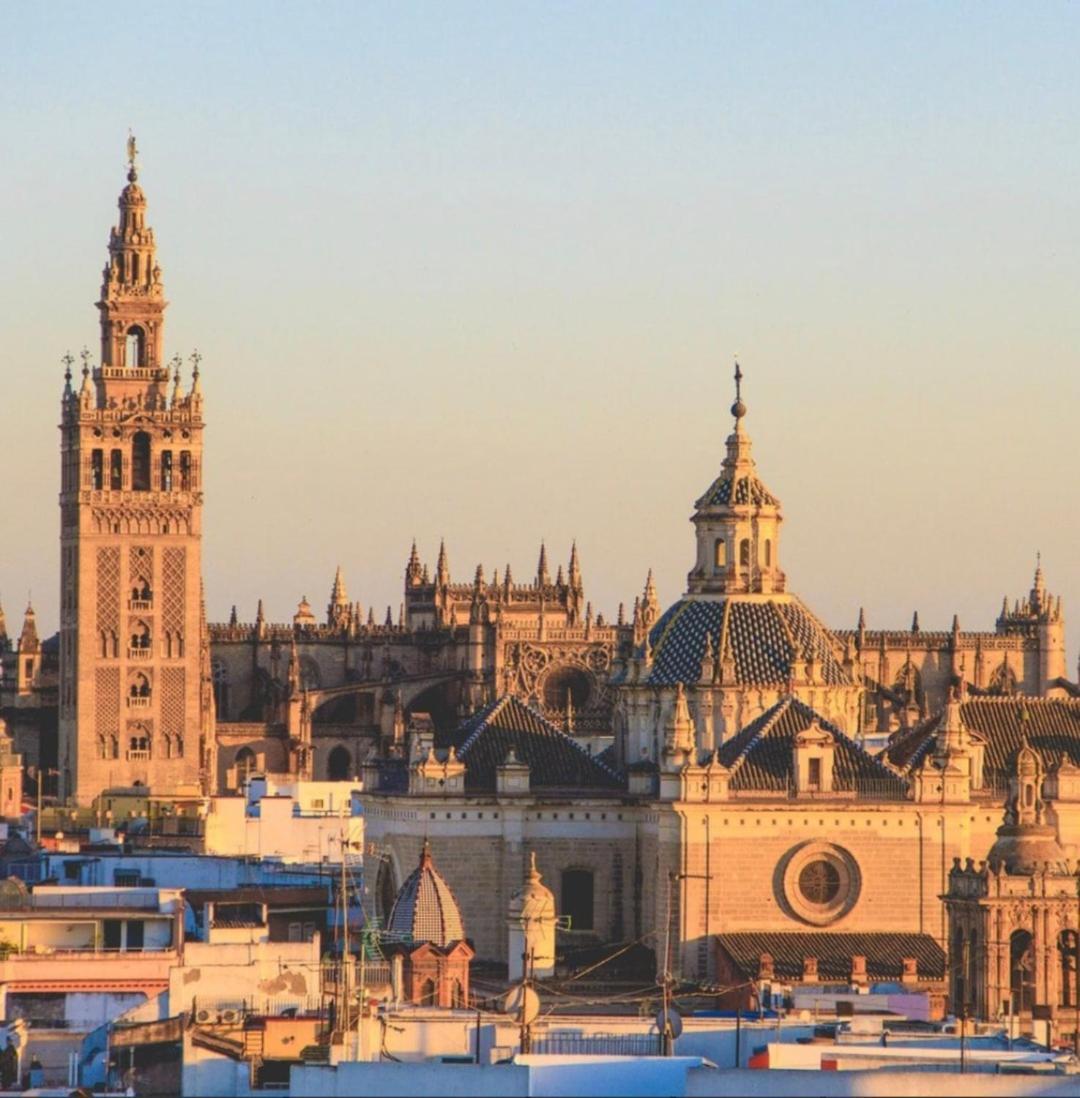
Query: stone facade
x=132, y=640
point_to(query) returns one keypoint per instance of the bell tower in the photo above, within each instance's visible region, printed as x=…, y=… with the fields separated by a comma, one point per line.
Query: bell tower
x=132, y=710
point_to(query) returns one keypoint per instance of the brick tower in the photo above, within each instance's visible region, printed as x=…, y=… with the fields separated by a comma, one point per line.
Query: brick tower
x=133, y=708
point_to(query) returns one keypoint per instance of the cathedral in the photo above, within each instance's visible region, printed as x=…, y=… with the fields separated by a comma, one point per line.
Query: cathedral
x=728, y=766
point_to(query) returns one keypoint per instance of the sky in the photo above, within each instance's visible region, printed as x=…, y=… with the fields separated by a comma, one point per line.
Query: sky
x=481, y=272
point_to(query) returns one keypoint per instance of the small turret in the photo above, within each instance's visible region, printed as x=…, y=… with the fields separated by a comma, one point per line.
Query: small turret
x=543, y=577
x=442, y=568
x=338, y=609
x=414, y=570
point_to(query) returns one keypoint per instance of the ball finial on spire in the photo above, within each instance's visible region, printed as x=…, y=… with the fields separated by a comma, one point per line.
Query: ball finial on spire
x=738, y=409
x=132, y=155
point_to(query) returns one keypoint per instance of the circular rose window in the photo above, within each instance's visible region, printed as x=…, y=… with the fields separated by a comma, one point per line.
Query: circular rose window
x=820, y=883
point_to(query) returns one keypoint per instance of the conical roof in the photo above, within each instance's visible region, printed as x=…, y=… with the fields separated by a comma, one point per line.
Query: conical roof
x=425, y=909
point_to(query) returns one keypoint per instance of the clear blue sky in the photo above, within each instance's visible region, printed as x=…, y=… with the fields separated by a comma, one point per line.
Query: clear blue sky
x=480, y=271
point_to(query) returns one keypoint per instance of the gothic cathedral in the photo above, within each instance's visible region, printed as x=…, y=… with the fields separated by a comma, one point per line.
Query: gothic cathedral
x=134, y=705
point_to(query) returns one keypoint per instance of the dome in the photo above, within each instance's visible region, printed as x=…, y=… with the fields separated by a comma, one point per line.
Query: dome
x=1023, y=849
x=425, y=909
x=748, y=642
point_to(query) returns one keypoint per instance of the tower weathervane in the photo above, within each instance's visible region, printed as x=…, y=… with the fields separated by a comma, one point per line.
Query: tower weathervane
x=738, y=409
x=132, y=153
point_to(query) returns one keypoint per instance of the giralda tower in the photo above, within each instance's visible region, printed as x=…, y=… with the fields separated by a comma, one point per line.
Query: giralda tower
x=135, y=704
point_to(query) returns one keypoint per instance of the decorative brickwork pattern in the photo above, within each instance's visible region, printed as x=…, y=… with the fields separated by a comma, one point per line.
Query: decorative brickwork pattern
x=108, y=590
x=107, y=701
x=173, y=589
x=172, y=701
x=140, y=565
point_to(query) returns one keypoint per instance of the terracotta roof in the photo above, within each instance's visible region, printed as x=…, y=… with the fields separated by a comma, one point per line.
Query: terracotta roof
x=555, y=759
x=761, y=755
x=884, y=953
x=1050, y=725
x=763, y=638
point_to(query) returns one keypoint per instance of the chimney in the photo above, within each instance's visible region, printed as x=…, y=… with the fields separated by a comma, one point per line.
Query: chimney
x=766, y=968
x=809, y=970
x=858, y=969
x=910, y=972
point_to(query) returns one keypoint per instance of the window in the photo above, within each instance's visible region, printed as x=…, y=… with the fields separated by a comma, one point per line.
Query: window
x=1067, y=947
x=245, y=765
x=185, y=470
x=136, y=934
x=744, y=553
x=1021, y=972
x=819, y=882
x=720, y=554
x=116, y=470
x=97, y=470
x=166, y=471
x=140, y=462
x=813, y=777
x=427, y=993
x=338, y=764
x=577, y=898
x=768, y=553
x=296, y=932
x=140, y=636
x=135, y=345
x=126, y=878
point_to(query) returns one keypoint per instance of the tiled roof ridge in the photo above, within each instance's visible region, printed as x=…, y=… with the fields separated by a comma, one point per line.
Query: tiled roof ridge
x=778, y=711
x=888, y=771
x=549, y=729
x=483, y=719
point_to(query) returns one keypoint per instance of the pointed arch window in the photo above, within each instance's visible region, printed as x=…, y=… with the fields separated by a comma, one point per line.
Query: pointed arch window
x=166, y=472
x=185, y=470
x=116, y=470
x=97, y=470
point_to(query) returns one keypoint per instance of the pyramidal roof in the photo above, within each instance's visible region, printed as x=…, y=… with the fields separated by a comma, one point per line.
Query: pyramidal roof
x=425, y=909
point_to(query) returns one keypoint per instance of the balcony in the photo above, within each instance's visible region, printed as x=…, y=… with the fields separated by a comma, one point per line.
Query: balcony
x=139, y=702
x=138, y=756
x=140, y=606
x=140, y=653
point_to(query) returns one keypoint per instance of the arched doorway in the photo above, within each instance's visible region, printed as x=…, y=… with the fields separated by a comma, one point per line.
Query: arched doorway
x=338, y=764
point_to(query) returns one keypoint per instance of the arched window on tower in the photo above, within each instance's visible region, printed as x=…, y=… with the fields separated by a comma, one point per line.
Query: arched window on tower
x=577, y=898
x=744, y=554
x=166, y=472
x=140, y=462
x=135, y=347
x=768, y=553
x=185, y=470
x=97, y=470
x=719, y=554
x=116, y=470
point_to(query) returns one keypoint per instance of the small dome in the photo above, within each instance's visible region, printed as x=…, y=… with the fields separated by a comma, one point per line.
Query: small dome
x=304, y=615
x=132, y=195
x=1024, y=849
x=425, y=909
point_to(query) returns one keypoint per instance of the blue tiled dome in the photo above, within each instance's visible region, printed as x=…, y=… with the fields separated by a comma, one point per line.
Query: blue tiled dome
x=425, y=909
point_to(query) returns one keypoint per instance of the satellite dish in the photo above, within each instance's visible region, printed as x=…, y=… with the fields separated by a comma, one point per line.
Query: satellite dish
x=669, y=1019
x=524, y=1002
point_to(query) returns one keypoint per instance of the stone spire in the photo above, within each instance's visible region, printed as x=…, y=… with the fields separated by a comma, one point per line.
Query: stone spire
x=575, y=569
x=1038, y=587
x=442, y=568
x=28, y=638
x=132, y=303
x=737, y=522
x=3, y=630
x=339, y=609
x=543, y=577
x=414, y=570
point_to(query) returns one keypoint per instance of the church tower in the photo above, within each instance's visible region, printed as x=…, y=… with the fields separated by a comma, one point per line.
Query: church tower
x=131, y=705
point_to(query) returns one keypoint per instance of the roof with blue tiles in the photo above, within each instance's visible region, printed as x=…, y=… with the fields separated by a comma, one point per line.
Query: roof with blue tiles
x=555, y=760
x=763, y=638
x=761, y=756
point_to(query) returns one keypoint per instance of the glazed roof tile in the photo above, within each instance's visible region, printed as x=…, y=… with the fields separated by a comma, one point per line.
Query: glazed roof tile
x=425, y=909
x=745, y=488
x=556, y=760
x=884, y=953
x=1049, y=725
x=762, y=637
x=761, y=755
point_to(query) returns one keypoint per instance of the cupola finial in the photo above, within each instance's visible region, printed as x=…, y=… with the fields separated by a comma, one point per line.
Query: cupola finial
x=738, y=409
x=132, y=157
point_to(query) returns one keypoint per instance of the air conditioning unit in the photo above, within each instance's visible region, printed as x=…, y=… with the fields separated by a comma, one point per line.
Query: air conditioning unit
x=204, y=1017
x=230, y=1016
